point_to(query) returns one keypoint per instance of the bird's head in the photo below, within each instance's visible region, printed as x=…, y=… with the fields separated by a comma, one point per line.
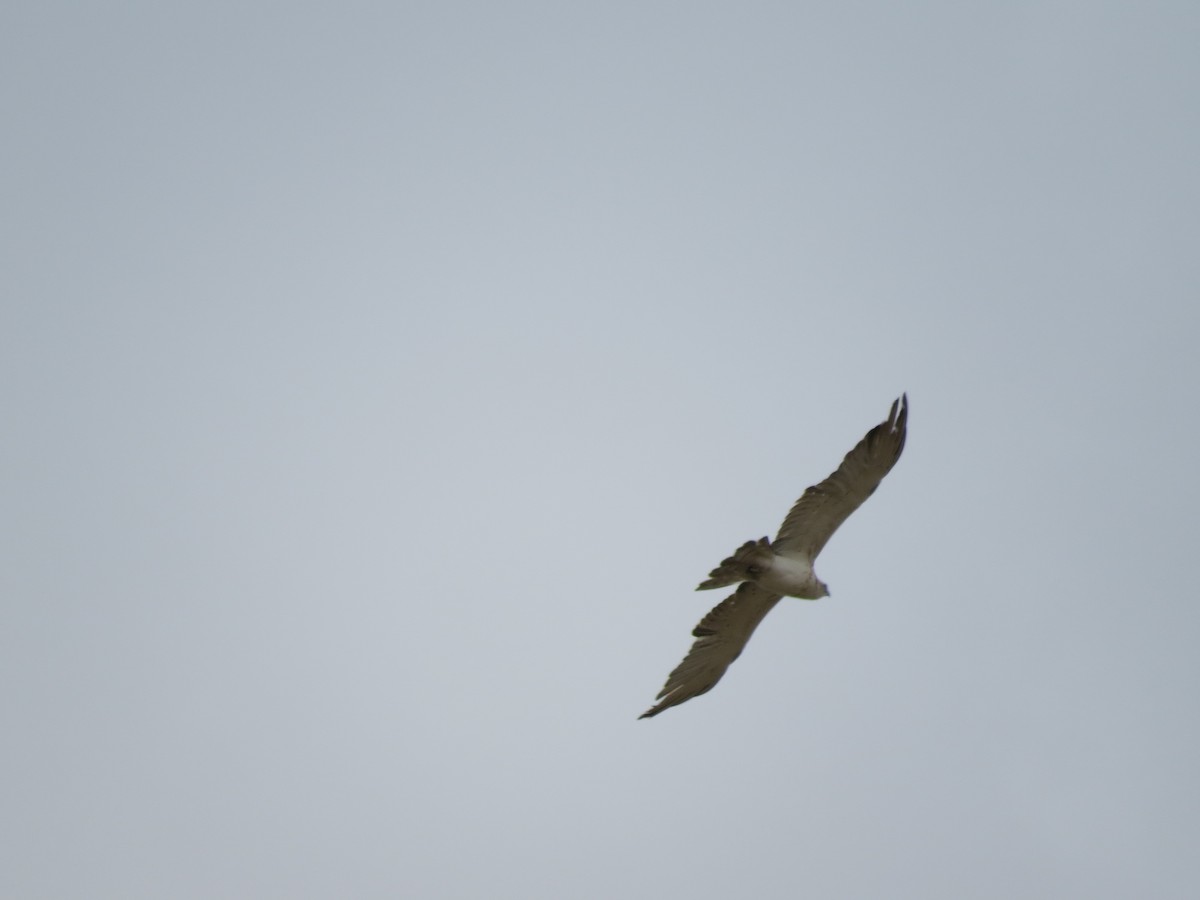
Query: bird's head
x=824, y=588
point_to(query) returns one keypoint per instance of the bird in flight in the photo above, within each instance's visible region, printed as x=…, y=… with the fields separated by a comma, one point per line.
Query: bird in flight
x=771, y=570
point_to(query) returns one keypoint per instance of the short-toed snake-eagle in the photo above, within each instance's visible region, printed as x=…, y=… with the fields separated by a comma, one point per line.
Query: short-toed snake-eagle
x=770, y=570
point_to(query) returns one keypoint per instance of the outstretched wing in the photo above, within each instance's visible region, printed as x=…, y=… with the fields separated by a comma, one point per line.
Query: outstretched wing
x=720, y=637
x=825, y=506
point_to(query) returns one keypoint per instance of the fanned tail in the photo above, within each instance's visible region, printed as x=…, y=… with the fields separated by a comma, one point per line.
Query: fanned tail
x=748, y=562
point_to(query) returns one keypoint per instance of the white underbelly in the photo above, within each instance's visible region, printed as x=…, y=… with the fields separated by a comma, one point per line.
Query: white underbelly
x=791, y=578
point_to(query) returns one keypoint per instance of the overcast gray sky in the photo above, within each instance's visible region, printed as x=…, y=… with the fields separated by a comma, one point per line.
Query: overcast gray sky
x=380, y=379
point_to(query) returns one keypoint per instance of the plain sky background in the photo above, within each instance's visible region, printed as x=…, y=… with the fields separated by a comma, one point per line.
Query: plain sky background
x=379, y=379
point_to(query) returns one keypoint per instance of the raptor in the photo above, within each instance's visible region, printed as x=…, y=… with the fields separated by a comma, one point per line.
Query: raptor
x=770, y=570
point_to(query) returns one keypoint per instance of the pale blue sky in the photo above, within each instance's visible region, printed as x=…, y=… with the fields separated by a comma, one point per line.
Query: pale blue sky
x=380, y=379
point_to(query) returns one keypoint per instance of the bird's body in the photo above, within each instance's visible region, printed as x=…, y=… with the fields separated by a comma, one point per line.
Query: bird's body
x=770, y=570
x=791, y=577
